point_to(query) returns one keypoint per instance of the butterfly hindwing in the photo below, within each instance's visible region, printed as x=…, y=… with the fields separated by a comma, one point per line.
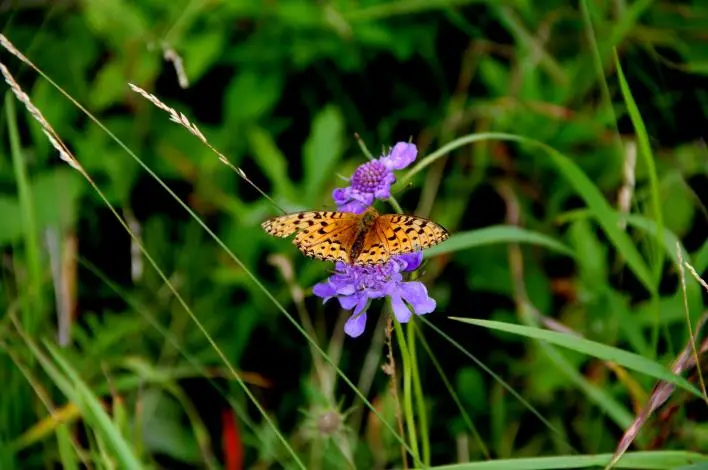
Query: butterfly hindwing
x=328, y=240
x=374, y=248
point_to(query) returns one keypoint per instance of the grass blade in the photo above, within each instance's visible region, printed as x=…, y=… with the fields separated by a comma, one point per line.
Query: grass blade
x=497, y=234
x=648, y=158
x=93, y=412
x=656, y=460
x=591, y=348
x=602, y=211
x=33, y=302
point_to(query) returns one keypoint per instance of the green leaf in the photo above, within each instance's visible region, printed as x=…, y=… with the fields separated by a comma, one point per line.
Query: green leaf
x=646, y=157
x=591, y=348
x=605, y=214
x=67, y=454
x=117, y=20
x=164, y=430
x=471, y=389
x=91, y=408
x=56, y=195
x=109, y=85
x=11, y=220
x=655, y=460
x=200, y=52
x=494, y=75
x=497, y=234
x=322, y=150
x=251, y=95
x=591, y=254
x=271, y=160
x=679, y=208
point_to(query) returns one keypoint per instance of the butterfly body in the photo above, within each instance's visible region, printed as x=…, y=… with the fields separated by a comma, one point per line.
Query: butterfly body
x=366, y=223
x=361, y=239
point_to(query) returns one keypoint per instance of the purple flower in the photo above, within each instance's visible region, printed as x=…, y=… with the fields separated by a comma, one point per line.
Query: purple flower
x=373, y=179
x=355, y=287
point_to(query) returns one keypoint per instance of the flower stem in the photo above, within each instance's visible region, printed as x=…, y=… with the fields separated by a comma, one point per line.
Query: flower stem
x=396, y=205
x=407, y=392
x=419, y=396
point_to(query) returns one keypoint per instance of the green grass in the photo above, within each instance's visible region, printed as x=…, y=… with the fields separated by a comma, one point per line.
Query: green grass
x=560, y=311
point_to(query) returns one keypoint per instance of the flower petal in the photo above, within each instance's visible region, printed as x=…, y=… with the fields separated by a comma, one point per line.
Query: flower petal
x=402, y=155
x=383, y=189
x=348, y=302
x=355, y=207
x=341, y=195
x=410, y=261
x=400, y=310
x=383, y=192
x=324, y=290
x=340, y=266
x=345, y=287
x=362, y=196
x=416, y=295
x=362, y=305
x=355, y=326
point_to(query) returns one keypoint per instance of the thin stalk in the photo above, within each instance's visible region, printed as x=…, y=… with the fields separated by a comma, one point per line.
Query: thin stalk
x=407, y=392
x=453, y=394
x=32, y=306
x=419, y=396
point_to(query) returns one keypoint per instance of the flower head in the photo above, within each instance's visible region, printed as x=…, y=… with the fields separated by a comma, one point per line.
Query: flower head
x=373, y=180
x=355, y=287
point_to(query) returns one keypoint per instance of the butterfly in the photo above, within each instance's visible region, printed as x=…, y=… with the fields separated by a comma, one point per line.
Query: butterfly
x=361, y=239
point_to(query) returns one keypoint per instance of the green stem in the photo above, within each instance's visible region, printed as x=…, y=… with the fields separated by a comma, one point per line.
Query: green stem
x=407, y=393
x=419, y=396
x=32, y=307
x=396, y=205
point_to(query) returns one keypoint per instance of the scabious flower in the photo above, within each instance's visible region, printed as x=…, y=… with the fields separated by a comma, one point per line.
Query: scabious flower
x=355, y=286
x=373, y=179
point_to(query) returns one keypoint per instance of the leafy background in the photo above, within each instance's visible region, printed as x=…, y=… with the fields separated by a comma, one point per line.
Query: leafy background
x=104, y=365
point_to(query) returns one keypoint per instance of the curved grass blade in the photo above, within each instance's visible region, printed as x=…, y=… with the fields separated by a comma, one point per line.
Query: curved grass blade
x=93, y=411
x=67, y=380
x=66, y=156
x=646, y=154
x=603, y=212
x=499, y=380
x=222, y=245
x=656, y=460
x=591, y=348
x=498, y=234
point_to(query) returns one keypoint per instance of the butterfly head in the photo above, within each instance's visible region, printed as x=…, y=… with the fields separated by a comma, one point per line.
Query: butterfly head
x=368, y=218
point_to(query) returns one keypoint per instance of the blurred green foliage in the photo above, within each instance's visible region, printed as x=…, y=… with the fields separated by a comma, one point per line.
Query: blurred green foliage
x=281, y=88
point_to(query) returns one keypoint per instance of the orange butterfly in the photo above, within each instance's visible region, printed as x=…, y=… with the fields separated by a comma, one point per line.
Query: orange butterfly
x=361, y=239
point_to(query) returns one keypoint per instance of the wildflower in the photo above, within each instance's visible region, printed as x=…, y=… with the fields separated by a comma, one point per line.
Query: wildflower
x=373, y=179
x=355, y=287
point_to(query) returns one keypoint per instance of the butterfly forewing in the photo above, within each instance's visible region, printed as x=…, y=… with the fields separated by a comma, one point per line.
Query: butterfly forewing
x=393, y=234
x=408, y=233
x=285, y=225
x=325, y=235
